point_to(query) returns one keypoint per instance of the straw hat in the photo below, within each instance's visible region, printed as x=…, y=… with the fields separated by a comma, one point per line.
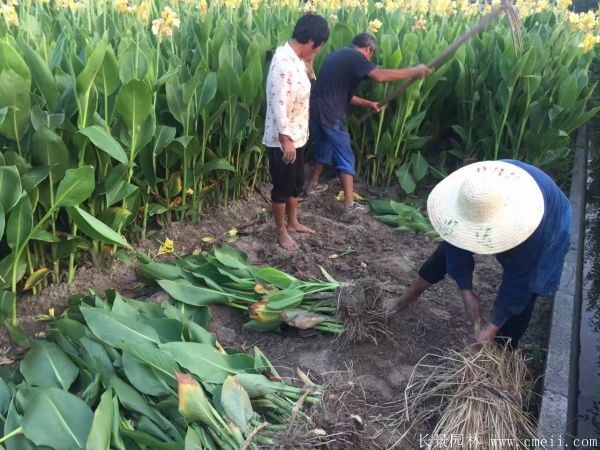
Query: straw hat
x=487, y=207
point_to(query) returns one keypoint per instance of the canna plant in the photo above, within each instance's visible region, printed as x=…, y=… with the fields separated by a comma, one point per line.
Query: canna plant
x=160, y=106
x=269, y=296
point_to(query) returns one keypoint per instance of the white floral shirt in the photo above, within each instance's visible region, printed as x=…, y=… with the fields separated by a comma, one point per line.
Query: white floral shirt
x=288, y=96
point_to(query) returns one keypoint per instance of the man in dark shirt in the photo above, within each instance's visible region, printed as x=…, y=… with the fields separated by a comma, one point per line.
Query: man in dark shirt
x=333, y=93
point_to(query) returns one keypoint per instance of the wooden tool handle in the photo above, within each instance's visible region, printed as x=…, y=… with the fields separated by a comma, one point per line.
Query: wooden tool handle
x=439, y=59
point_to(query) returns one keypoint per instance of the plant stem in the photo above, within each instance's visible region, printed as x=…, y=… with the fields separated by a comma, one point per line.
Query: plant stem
x=12, y=434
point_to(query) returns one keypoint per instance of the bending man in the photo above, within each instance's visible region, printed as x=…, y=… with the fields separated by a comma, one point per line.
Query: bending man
x=507, y=208
x=333, y=93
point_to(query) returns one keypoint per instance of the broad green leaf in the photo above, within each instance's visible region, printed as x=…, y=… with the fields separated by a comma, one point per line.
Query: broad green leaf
x=101, y=429
x=174, y=90
x=228, y=82
x=107, y=79
x=133, y=401
x=133, y=65
x=134, y=103
x=76, y=187
x=236, y=404
x=208, y=90
x=153, y=272
x=251, y=80
x=105, y=142
x=158, y=360
x=406, y=180
x=5, y=397
x=20, y=223
x=206, y=362
x=192, y=440
x=10, y=188
x=11, y=58
x=96, y=357
x=420, y=166
x=96, y=229
x=188, y=293
x=86, y=91
x=46, y=365
x=275, y=277
x=16, y=96
x=114, y=217
x=116, y=330
x=34, y=176
x=57, y=419
x=215, y=164
x=14, y=421
x=285, y=299
x=143, y=377
x=41, y=74
x=3, y=112
x=262, y=363
x=48, y=149
x=36, y=277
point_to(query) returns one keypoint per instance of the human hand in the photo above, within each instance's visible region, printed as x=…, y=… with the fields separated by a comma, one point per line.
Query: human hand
x=289, y=151
x=374, y=106
x=421, y=71
x=487, y=334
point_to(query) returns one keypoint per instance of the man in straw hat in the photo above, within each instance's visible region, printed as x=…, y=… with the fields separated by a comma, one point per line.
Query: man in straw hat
x=512, y=210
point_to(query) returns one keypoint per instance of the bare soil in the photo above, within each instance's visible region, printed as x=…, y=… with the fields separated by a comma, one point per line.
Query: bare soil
x=375, y=252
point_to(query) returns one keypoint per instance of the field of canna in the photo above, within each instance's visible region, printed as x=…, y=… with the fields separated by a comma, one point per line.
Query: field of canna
x=117, y=116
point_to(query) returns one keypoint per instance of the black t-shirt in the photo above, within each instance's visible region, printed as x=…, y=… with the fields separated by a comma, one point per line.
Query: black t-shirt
x=336, y=84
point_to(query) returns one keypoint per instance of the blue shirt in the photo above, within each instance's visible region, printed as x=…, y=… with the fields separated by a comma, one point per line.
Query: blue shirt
x=532, y=267
x=337, y=82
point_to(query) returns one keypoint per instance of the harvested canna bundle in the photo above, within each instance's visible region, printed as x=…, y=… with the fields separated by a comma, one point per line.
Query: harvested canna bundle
x=479, y=397
x=271, y=297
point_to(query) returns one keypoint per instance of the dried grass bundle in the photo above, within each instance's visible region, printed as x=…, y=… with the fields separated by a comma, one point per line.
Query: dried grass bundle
x=343, y=420
x=467, y=401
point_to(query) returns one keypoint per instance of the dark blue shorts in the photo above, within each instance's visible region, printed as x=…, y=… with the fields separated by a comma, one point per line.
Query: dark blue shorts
x=332, y=146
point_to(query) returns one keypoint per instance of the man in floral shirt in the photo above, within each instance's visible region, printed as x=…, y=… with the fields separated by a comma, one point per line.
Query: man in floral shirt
x=286, y=122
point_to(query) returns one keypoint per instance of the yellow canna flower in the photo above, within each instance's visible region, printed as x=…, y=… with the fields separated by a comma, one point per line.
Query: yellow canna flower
x=378, y=5
x=374, y=25
x=189, y=191
x=355, y=196
x=121, y=5
x=589, y=41
x=193, y=404
x=255, y=4
x=142, y=11
x=51, y=312
x=258, y=311
x=233, y=232
x=421, y=6
x=496, y=3
x=166, y=247
x=333, y=18
x=563, y=5
x=208, y=239
x=10, y=14
x=203, y=7
x=12, y=2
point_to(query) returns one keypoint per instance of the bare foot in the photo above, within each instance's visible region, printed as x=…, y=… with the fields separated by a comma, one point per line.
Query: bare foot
x=285, y=240
x=299, y=228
